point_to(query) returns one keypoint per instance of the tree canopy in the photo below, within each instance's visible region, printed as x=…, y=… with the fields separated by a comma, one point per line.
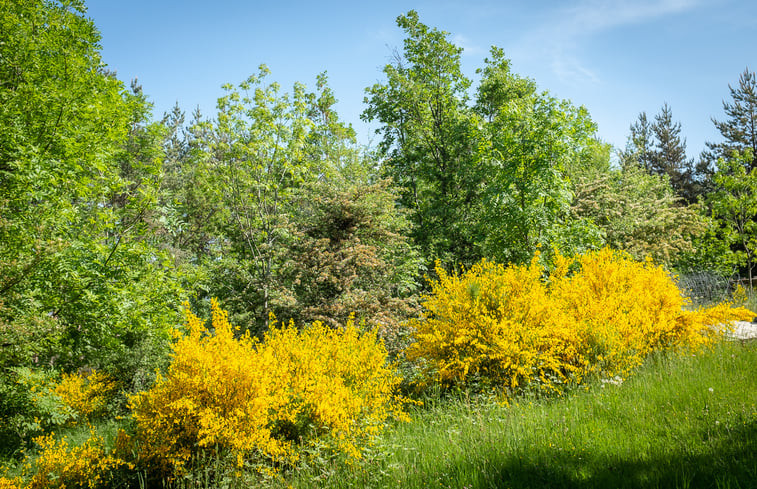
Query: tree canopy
x=80, y=278
x=484, y=177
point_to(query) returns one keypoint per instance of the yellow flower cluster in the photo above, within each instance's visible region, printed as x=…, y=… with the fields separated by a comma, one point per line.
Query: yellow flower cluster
x=6, y=483
x=58, y=466
x=63, y=400
x=262, y=400
x=88, y=395
x=511, y=327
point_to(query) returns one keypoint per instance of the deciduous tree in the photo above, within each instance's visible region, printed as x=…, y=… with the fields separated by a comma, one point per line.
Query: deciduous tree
x=255, y=160
x=78, y=174
x=734, y=206
x=636, y=211
x=524, y=150
x=481, y=179
x=428, y=139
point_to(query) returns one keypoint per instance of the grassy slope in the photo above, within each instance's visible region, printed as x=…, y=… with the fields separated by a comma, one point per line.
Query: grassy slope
x=680, y=421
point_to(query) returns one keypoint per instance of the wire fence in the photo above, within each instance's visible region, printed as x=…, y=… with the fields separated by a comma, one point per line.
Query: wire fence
x=706, y=287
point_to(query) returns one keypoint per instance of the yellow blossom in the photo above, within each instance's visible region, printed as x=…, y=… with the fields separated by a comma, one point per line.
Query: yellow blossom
x=260, y=399
x=509, y=326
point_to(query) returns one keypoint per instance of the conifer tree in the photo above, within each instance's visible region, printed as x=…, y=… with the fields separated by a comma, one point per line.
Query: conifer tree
x=640, y=147
x=669, y=156
x=739, y=130
x=659, y=149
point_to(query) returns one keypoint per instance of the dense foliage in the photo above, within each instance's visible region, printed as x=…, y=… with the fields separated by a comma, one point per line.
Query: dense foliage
x=59, y=464
x=82, y=283
x=353, y=256
x=486, y=179
x=636, y=211
x=734, y=206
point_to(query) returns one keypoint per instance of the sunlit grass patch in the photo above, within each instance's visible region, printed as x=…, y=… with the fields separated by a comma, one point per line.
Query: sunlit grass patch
x=681, y=421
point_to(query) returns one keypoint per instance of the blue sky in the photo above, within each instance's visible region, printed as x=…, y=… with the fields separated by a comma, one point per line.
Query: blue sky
x=615, y=57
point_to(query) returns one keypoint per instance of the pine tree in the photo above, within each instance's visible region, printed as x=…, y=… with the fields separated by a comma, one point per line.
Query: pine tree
x=740, y=128
x=669, y=156
x=640, y=147
x=659, y=149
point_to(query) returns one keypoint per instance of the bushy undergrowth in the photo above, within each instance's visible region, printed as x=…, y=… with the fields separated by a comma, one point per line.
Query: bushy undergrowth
x=45, y=399
x=89, y=465
x=264, y=402
x=513, y=327
x=87, y=394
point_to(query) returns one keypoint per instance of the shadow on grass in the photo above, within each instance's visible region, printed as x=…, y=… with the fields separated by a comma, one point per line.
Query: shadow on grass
x=730, y=461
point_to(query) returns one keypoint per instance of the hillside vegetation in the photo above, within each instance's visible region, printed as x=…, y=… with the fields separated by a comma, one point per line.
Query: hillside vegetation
x=254, y=298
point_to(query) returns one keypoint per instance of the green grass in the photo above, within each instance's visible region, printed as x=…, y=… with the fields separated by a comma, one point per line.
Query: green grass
x=685, y=421
x=751, y=300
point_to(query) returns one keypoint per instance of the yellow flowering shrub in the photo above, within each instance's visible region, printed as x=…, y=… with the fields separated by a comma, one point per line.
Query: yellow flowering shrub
x=511, y=326
x=260, y=400
x=492, y=323
x=46, y=400
x=88, y=395
x=89, y=465
x=6, y=483
x=626, y=309
x=338, y=384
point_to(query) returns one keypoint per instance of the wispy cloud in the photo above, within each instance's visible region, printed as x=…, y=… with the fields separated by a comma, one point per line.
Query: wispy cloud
x=571, y=69
x=469, y=47
x=593, y=16
x=559, y=40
